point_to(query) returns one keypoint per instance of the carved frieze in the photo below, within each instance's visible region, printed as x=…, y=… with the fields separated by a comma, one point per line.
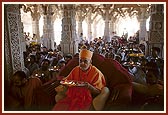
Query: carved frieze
x=14, y=35
x=156, y=37
x=7, y=54
x=156, y=29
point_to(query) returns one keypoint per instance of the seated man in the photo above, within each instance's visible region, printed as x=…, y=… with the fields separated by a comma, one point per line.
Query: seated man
x=93, y=84
x=153, y=91
x=119, y=83
x=43, y=72
x=21, y=94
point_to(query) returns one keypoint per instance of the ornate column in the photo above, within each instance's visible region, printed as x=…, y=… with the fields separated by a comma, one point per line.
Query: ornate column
x=117, y=26
x=48, y=28
x=95, y=22
x=89, y=23
x=80, y=19
x=45, y=39
x=13, y=37
x=35, y=22
x=112, y=26
x=69, y=40
x=80, y=30
x=106, y=29
x=156, y=29
x=91, y=17
x=143, y=14
x=95, y=29
x=106, y=15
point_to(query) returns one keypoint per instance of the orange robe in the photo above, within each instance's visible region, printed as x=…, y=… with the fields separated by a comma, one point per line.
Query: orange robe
x=80, y=98
x=24, y=99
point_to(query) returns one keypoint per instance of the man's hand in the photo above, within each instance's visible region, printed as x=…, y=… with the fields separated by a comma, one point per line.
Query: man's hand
x=93, y=89
x=87, y=85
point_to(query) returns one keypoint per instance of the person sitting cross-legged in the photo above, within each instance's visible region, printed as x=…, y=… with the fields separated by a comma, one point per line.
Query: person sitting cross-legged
x=91, y=91
x=22, y=92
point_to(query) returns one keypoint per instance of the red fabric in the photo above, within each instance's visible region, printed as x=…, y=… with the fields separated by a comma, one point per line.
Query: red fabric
x=69, y=66
x=92, y=76
x=114, y=72
x=78, y=98
x=116, y=77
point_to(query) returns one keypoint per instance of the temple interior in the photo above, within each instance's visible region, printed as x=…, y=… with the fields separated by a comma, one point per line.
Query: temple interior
x=42, y=42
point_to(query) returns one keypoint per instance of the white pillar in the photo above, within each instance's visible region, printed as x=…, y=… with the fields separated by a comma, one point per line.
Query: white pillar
x=35, y=23
x=69, y=42
x=48, y=30
x=80, y=30
x=106, y=30
x=142, y=17
x=142, y=32
x=89, y=34
x=94, y=29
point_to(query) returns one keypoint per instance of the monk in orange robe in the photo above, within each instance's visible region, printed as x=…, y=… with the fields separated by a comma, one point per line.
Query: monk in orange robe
x=21, y=94
x=92, y=84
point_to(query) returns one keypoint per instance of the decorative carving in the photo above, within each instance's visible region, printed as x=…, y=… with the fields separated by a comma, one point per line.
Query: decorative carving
x=156, y=37
x=7, y=54
x=159, y=8
x=66, y=28
x=12, y=8
x=156, y=30
x=157, y=17
x=14, y=39
x=158, y=25
x=65, y=13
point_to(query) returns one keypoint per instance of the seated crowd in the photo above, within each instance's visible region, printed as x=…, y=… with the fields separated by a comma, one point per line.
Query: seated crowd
x=114, y=76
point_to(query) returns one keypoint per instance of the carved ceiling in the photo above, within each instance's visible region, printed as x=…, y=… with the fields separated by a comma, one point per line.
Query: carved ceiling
x=115, y=10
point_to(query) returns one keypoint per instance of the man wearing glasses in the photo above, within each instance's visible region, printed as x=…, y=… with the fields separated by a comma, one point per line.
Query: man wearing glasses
x=85, y=86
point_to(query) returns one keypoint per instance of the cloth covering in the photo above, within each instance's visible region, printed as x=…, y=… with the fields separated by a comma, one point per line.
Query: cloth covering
x=80, y=98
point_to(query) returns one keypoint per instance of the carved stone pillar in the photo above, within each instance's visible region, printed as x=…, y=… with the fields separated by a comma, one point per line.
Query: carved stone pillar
x=94, y=29
x=89, y=22
x=13, y=37
x=142, y=31
x=45, y=39
x=116, y=28
x=156, y=29
x=48, y=29
x=106, y=30
x=69, y=40
x=112, y=26
x=106, y=18
x=142, y=17
x=80, y=30
x=35, y=23
x=80, y=20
